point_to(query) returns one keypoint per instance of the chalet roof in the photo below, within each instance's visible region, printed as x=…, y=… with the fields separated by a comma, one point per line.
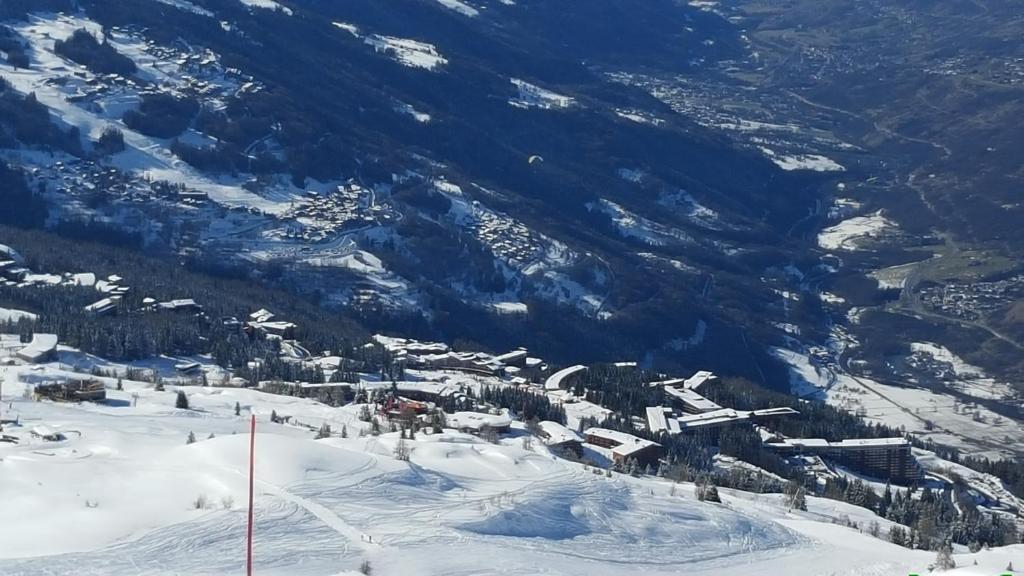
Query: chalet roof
x=627, y=443
x=478, y=420
x=276, y=326
x=262, y=315
x=557, y=434
x=41, y=345
x=394, y=344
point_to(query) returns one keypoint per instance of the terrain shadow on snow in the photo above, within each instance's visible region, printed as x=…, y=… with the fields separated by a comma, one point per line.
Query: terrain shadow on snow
x=548, y=520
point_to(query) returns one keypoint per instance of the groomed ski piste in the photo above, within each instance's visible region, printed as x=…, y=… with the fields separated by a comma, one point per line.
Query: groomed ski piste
x=123, y=493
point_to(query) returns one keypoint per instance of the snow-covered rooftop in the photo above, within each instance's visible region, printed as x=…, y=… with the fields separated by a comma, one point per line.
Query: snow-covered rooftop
x=699, y=379
x=477, y=420
x=657, y=420
x=849, y=444
x=554, y=382
x=693, y=399
x=41, y=345
x=627, y=443
x=557, y=434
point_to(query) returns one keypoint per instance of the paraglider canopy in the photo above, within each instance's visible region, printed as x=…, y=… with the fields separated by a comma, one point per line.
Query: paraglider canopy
x=535, y=158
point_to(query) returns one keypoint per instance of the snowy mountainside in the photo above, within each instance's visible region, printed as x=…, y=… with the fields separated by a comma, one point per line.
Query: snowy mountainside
x=141, y=499
x=237, y=154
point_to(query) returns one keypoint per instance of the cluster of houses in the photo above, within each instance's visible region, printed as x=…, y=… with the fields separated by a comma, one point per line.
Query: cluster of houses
x=321, y=216
x=688, y=410
x=264, y=321
x=508, y=239
x=517, y=366
x=533, y=96
x=972, y=301
x=684, y=408
x=13, y=272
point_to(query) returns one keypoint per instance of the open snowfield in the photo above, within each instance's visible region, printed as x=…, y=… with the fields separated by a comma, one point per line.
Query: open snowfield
x=12, y=315
x=893, y=277
x=268, y=5
x=848, y=234
x=118, y=496
x=812, y=162
x=942, y=418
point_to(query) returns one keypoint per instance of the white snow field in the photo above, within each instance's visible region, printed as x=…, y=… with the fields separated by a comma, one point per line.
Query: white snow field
x=940, y=417
x=119, y=495
x=11, y=315
x=268, y=5
x=848, y=234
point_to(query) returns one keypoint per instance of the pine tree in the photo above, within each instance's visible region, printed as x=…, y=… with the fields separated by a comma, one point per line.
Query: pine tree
x=324, y=431
x=402, y=450
x=707, y=491
x=211, y=436
x=344, y=431
x=181, y=402
x=944, y=558
x=874, y=529
x=364, y=413
x=711, y=493
x=120, y=384
x=273, y=416
x=238, y=409
x=191, y=438
x=898, y=536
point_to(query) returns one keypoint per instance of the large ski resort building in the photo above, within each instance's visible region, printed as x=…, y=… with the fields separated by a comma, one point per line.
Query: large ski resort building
x=885, y=458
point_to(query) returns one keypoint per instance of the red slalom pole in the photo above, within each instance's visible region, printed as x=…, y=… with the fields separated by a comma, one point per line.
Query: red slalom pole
x=252, y=456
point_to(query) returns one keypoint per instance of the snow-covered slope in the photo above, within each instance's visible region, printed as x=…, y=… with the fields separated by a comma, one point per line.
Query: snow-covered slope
x=124, y=493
